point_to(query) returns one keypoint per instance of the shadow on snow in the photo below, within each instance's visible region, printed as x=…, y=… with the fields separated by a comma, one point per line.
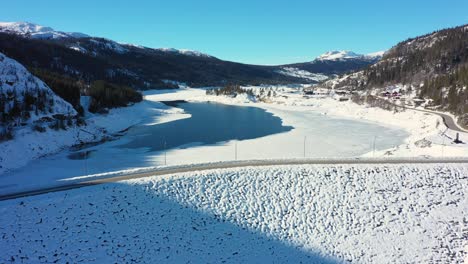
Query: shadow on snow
x=122, y=222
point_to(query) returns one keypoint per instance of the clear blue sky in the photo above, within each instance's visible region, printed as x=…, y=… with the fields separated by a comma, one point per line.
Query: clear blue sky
x=250, y=31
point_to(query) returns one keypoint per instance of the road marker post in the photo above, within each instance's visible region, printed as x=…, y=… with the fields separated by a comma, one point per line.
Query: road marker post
x=235, y=150
x=305, y=137
x=373, y=147
x=165, y=153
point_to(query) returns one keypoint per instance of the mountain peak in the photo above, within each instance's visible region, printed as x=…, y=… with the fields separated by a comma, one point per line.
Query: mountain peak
x=36, y=31
x=337, y=55
x=345, y=54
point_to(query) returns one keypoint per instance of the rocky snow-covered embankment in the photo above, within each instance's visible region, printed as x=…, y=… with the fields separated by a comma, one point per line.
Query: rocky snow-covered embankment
x=309, y=213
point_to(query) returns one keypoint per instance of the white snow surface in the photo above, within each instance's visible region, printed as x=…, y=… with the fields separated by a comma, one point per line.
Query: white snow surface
x=277, y=214
x=37, y=31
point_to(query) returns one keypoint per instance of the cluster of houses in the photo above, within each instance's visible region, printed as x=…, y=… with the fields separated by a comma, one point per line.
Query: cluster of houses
x=396, y=95
x=344, y=95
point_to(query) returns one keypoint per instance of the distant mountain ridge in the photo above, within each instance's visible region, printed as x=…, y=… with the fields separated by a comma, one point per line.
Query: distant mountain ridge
x=87, y=58
x=35, y=31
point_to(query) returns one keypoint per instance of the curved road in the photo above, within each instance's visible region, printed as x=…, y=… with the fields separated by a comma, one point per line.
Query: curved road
x=226, y=165
x=447, y=119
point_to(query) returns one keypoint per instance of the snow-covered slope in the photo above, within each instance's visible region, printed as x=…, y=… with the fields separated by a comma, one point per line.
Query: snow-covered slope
x=105, y=44
x=18, y=85
x=344, y=54
x=295, y=72
x=37, y=31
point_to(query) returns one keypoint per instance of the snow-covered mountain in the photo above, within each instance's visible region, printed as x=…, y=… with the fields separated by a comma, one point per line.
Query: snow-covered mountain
x=333, y=63
x=97, y=58
x=37, y=31
x=344, y=55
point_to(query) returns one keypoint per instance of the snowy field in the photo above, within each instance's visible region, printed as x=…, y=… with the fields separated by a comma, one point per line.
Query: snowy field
x=279, y=214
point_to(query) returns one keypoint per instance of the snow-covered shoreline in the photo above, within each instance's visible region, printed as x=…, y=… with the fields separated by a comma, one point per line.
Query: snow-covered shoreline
x=29, y=145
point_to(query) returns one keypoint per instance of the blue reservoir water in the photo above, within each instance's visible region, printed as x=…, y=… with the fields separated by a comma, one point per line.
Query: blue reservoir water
x=210, y=123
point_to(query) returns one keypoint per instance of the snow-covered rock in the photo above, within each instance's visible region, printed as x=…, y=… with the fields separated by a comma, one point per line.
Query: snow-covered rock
x=16, y=82
x=37, y=31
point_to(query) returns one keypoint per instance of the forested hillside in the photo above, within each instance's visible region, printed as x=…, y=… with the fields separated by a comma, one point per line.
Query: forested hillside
x=436, y=63
x=434, y=66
